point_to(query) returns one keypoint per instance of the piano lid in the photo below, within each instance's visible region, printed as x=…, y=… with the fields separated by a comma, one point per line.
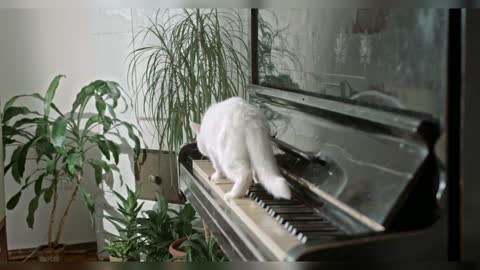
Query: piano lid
x=363, y=159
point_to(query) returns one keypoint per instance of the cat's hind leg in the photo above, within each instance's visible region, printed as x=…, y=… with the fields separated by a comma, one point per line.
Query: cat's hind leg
x=242, y=177
x=218, y=175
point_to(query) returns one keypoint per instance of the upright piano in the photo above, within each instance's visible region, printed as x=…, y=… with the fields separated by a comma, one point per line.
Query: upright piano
x=355, y=100
x=366, y=185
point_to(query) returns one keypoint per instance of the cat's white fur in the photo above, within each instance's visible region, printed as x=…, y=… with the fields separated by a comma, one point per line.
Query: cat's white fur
x=234, y=135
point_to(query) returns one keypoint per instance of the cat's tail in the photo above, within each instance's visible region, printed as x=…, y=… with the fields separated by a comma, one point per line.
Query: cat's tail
x=264, y=163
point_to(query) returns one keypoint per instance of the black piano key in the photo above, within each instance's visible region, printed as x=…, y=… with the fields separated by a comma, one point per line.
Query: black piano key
x=305, y=229
x=302, y=217
x=282, y=202
x=281, y=210
x=319, y=225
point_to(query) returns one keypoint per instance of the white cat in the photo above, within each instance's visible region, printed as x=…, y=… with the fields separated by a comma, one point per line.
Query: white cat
x=234, y=135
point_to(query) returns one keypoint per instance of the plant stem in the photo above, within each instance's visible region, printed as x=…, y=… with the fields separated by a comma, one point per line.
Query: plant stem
x=65, y=213
x=52, y=217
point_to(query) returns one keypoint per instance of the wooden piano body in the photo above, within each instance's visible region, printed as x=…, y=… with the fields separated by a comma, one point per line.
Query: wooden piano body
x=369, y=176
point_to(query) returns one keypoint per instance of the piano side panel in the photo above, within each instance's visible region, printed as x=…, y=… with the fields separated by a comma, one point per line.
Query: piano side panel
x=423, y=245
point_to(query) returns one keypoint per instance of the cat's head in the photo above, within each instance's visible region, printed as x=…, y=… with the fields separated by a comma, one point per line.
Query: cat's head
x=200, y=142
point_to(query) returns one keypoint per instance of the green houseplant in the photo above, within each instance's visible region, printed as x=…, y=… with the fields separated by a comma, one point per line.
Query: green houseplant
x=199, y=249
x=57, y=144
x=161, y=226
x=124, y=247
x=198, y=57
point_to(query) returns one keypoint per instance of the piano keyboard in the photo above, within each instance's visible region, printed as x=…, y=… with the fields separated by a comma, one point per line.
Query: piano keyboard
x=294, y=215
x=281, y=224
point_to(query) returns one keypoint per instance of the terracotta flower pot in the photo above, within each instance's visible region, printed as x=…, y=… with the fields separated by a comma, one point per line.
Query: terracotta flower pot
x=46, y=254
x=174, y=250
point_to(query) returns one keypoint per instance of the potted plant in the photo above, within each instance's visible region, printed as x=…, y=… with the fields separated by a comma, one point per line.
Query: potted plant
x=119, y=251
x=124, y=247
x=58, y=144
x=161, y=226
x=196, y=248
x=199, y=57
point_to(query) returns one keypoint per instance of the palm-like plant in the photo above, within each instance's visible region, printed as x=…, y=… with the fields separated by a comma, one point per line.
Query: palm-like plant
x=199, y=57
x=61, y=142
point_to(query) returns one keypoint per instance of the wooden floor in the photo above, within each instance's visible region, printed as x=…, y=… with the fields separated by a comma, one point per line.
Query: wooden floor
x=74, y=253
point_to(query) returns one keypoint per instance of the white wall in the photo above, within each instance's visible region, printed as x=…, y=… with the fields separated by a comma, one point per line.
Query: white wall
x=83, y=44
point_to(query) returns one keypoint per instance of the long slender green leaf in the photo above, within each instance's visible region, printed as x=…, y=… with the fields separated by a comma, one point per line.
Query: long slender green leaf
x=52, y=88
x=19, y=166
x=38, y=185
x=15, y=111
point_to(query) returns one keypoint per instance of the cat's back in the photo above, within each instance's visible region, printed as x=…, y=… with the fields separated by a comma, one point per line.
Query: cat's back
x=233, y=114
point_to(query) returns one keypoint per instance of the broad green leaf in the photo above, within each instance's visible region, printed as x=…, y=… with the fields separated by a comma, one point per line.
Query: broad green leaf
x=87, y=198
x=47, y=196
x=38, y=184
x=14, y=200
x=91, y=120
x=11, y=101
x=101, y=106
x=115, y=149
x=32, y=207
x=102, y=145
x=13, y=161
x=58, y=134
x=162, y=203
x=19, y=165
x=43, y=147
x=134, y=137
x=74, y=161
x=85, y=94
x=51, y=165
x=52, y=88
x=98, y=166
x=187, y=213
x=26, y=121
x=14, y=111
x=41, y=130
x=97, y=172
x=107, y=123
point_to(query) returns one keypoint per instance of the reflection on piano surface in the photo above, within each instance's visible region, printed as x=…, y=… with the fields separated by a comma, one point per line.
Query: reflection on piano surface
x=366, y=184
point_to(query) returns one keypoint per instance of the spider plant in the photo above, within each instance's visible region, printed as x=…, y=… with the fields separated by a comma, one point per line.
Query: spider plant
x=58, y=144
x=198, y=58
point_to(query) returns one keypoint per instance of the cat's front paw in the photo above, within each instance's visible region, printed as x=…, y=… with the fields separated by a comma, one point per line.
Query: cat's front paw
x=216, y=177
